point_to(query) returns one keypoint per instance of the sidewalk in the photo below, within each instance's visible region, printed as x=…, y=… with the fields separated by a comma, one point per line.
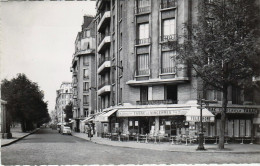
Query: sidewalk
x=166, y=146
x=16, y=136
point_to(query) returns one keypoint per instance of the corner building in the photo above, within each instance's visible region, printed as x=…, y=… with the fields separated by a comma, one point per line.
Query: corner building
x=141, y=87
x=83, y=74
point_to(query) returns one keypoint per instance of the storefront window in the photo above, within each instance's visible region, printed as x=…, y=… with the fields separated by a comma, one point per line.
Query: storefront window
x=171, y=125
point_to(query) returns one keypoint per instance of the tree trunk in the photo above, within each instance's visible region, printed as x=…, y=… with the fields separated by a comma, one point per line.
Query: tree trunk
x=23, y=126
x=223, y=118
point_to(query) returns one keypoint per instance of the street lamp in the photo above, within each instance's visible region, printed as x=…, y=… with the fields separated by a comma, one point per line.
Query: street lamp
x=201, y=135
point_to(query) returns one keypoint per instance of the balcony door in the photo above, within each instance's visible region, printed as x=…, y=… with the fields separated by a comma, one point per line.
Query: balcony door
x=143, y=94
x=171, y=93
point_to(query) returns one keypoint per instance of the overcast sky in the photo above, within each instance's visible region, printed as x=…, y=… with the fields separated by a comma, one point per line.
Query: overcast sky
x=37, y=38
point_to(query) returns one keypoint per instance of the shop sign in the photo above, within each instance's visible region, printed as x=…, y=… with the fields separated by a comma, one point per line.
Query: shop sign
x=234, y=110
x=150, y=113
x=197, y=119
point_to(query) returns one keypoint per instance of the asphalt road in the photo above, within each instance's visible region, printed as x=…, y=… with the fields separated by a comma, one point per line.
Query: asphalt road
x=48, y=147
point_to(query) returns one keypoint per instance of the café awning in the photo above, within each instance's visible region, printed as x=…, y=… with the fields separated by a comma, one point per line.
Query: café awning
x=151, y=112
x=88, y=119
x=104, y=117
x=193, y=115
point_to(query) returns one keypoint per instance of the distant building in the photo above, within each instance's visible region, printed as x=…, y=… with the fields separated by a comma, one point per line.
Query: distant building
x=83, y=74
x=63, y=98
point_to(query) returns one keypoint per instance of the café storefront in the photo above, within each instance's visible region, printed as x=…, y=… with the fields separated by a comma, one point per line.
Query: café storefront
x=239, y=125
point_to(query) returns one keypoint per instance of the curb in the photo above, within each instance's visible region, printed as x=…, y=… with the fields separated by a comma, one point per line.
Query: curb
x=18, y=139
x=204, y=151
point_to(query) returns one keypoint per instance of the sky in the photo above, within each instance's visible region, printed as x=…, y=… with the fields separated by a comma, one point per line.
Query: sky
x=37, y=39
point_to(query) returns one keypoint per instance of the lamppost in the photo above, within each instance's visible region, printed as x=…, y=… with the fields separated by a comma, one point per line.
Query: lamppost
x=201, y=135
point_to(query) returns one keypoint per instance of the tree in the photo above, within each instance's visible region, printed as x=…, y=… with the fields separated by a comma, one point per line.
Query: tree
x=25, y=102
x=68, y=112
x=223, y=47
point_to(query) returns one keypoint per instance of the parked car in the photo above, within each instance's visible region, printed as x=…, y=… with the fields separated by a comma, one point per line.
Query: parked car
x=65, y=130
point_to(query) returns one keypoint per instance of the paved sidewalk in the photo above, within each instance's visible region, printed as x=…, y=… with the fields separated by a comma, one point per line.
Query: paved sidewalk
x=166, y=146
x=16, y=136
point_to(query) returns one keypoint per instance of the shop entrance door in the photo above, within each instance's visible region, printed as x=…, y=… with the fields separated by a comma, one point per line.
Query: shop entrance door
x=144, y=125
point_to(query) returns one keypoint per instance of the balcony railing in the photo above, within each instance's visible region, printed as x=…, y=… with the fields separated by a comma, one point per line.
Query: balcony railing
x=102, y=38
x=156, y=102
x=143, y=72
x=168, y=4
x=140, y=10
x=102, y=60
x=86, y=63
x=168, y=69
x=74, y=73
x=143, y=41
x=104, y=84
x=166, y=38
x=86, y=104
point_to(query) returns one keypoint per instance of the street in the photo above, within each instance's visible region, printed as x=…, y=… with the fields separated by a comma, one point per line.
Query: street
x=49, y=147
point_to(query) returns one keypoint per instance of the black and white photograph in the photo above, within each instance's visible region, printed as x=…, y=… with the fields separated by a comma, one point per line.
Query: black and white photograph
x=140, y=82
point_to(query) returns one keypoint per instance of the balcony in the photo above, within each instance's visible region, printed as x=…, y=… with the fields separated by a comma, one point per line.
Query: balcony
x=142, y=10
x=105, y=18
x=168, y=70
x=168, y=4
x=144, y=72
x=85, y=104
x=74, y=73
x=74, y=61
x=83, y=52
x=156, y=102
x=104, y=65
x=104, y=88
x=103, y=44
x=166, y=38
x=140, y=42
x=104, y=84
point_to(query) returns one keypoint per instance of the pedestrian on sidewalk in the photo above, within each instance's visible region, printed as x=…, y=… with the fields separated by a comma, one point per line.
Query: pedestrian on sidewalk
x=89, y=129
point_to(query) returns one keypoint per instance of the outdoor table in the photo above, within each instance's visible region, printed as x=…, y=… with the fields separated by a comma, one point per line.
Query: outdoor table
x=114, y=136
x=143, y=137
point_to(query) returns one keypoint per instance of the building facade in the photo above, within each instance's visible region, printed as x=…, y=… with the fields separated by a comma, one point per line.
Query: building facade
x=63, y=98
x=83, y=74
x=142, y=88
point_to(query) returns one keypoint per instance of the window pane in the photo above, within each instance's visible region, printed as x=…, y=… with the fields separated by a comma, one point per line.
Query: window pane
x=168, y=27
x=143, y=31
x=143, y=64
x=168, y=61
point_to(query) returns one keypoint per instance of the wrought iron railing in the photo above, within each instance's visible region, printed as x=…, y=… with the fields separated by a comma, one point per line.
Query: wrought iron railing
x=156, y=102
x=140, y=10
x=143, y=72
x=103, y=84
x=102, y=60
x=142, y=41
x=166, y=38
x=168, y=4
x=168, y=69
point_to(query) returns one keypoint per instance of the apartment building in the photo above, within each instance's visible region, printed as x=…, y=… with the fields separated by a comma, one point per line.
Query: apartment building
x=63, y=98
x=142, y=88
x=83, y=74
